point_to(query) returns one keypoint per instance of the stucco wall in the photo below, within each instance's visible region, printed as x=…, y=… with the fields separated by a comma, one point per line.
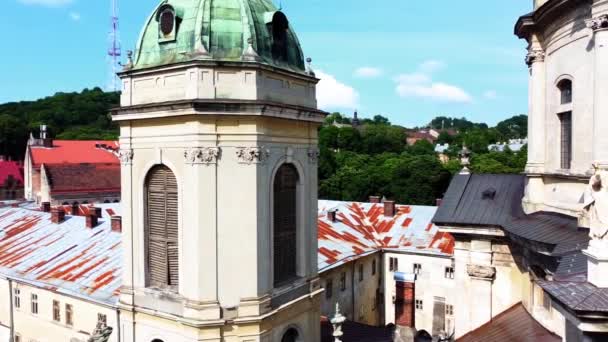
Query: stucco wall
x=41, y=327
x=431, y=287
x=359, y=302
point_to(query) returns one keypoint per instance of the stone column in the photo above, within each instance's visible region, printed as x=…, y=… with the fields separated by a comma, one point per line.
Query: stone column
x=536, y=109
x=599, y=26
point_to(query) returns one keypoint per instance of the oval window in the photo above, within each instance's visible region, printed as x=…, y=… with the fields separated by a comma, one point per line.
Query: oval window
x=167, y=22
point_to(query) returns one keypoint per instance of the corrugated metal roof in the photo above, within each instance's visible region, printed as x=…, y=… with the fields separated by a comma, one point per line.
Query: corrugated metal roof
x=514, y=324
x=68, y=257
x=361, y=229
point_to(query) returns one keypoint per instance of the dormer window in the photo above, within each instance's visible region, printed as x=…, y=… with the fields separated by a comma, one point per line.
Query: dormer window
x=168, y=21
x=565, y=89
x=279, y=27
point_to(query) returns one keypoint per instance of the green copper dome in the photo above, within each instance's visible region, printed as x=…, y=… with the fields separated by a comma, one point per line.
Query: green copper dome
x=218, y=30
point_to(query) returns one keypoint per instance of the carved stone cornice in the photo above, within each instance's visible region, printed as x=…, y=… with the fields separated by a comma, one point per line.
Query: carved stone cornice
x=252, y=155
x=535, y=55
x=202, y=155
x=481, y=272
x=313, y=155
x=126, y=157
x=598, y=23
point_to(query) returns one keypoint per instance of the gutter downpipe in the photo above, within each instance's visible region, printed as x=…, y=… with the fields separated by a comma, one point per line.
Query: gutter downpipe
x=10, y=299
x=353, y=292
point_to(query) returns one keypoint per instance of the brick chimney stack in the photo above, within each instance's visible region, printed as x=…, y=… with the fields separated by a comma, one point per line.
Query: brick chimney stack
x=438, y=202
x=75, y=209
x=96, y=211
x=57, y=215
x=117, y=224
x=389, y=208
x=91, y=220
x=374, y=199
x=405, y=313
x=46, y=207
x=331, y=215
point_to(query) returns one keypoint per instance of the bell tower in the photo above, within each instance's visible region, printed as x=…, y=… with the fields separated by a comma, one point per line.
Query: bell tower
x=218, y=123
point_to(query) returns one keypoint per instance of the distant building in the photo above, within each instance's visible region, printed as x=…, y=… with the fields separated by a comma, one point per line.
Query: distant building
x=11, y=180
x=514, y=145
x=66, y=171
x=415, y=136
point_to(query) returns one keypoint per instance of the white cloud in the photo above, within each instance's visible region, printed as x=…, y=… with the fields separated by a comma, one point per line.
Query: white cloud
x=431, y=66
x=331, y=93
x=368, y=72
x=490, y=94
x=75, y=16
x=421, y=85
x=51, y=3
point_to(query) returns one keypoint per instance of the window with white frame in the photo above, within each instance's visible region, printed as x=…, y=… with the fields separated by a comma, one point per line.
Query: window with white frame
x=69, y=314
x=419, y=303
x=56, y=311
x=34, y=302
x=329, y=288
x=449, y=272
x=17, y=298
x=393, y=264
x=449, y=310
x=417, y=268
x=101, y=318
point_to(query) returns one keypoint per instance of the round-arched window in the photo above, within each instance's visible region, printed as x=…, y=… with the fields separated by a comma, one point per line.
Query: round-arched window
x=565, y=89
x=280, y=24
x=291, y=335
x=167, y=21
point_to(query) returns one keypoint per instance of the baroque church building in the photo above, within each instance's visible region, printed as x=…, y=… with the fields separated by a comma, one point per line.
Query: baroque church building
x=218, y=135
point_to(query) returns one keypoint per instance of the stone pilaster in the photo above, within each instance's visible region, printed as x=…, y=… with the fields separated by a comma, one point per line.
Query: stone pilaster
x=536, y=109
x=599, y=26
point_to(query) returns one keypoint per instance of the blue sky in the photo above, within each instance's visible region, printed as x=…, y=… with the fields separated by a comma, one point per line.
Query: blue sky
x=410, y=60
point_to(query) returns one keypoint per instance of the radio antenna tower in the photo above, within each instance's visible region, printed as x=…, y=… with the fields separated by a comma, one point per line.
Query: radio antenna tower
x=114, y=50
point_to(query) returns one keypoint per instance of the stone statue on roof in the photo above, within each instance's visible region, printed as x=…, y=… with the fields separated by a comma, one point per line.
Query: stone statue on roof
x=595, y=205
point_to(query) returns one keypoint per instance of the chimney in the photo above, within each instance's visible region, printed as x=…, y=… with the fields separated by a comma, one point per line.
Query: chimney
x=331, y=215
x=389, y=208
x=75, y=209
x=91, y=220
x=95, y=211
x=117, y=224
x=438, y=202
x=57, y=215
x=374, y=199
x=405, y=296
x=46, y=207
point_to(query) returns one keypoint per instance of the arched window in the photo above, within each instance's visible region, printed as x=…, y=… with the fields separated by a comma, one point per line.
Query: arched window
x=565, y=90
x=285, y=223
x=291, y=335
x=280, y=24
x=565, y=123
x=161, y=228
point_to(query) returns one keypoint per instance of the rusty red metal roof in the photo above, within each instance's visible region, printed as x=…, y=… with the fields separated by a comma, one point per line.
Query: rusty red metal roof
x=68, y=257
x=514, y=324
x=10, y=169
x=76, y=152
x=361, y=229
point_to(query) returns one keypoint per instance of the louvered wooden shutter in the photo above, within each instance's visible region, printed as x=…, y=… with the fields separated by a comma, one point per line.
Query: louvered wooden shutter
x=161, y=228
x=285, y=223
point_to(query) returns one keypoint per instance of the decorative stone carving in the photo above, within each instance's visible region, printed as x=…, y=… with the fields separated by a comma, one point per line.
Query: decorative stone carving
x=483, y=272
x=337, y=322
x=126, y=157
x=465, y=160
x=313, y=155
x=535, y=55
x=599, y=23
x=204, y=155
x=595, y=204
x=252, y=155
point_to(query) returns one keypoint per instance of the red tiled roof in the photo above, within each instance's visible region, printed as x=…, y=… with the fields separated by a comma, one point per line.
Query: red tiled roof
x=75, y=152
x=84, y=178
x=10, y=168
x=515, y=324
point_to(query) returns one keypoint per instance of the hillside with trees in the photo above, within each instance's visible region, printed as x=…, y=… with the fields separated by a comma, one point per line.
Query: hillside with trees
x=70, y=116
x=355, y=162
